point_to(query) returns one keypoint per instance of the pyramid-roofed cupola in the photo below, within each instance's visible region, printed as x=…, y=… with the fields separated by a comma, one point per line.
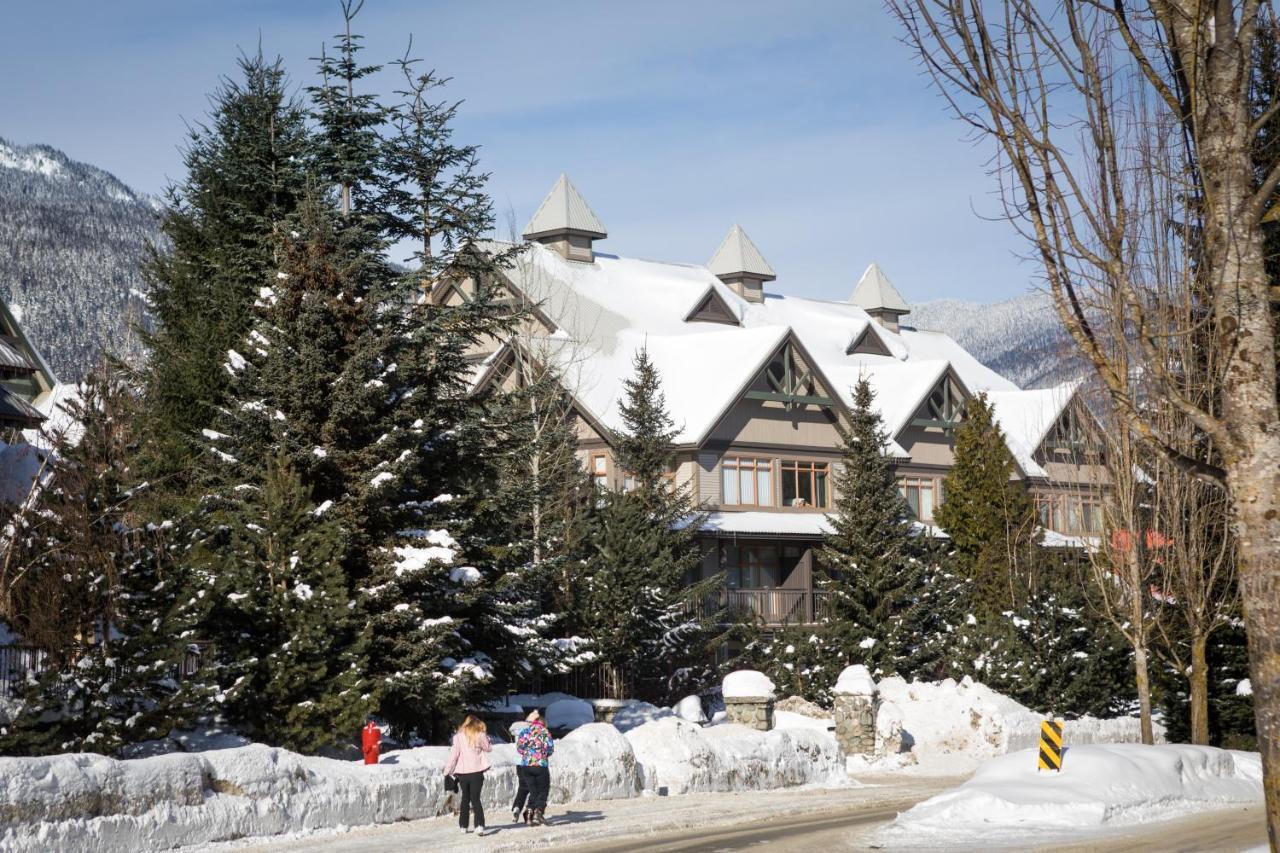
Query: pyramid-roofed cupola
x=876, y=295
x=740, y=265
x=565, y=222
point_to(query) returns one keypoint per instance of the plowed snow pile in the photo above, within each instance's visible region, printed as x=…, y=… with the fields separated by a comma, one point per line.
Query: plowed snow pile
x=1008, y=801
x=969, y=721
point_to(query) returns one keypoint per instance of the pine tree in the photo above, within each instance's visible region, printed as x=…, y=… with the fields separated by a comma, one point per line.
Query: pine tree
x=871, y=565
x=244, y=178
x=288, y=648
x=642, y=550
x=100, y=593
x=989, y=516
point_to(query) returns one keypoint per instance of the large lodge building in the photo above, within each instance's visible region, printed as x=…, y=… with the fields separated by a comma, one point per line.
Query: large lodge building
x=757, y=382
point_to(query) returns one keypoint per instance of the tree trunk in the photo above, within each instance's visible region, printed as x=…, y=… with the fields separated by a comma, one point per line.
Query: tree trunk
x=1199, y=691
x=1143, y=681
x=1258, y=522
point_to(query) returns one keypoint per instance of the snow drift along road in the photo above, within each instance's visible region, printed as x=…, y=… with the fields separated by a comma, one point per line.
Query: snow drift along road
x=1101, y=785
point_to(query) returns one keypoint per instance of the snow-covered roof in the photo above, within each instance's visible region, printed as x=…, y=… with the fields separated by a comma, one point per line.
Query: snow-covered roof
x=564, y=209
x=1026, y=417
x=607, y=310
x=775, y=523
x=875, y=292
x=737, y=254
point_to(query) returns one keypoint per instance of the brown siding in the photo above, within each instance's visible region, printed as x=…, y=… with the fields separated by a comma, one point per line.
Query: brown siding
x=758, y=422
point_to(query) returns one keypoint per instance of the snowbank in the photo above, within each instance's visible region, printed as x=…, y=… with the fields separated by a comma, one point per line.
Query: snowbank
x=676, y=757
x=747, y=683
x=1008, y=799
x=970, y=719
x=690, y=710
x=81, y=802
x=632, y=715
x=569, y=714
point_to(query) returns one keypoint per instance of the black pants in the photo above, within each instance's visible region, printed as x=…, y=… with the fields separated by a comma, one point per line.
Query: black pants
x=522, y=791
x=539, y=781
x=469, y=786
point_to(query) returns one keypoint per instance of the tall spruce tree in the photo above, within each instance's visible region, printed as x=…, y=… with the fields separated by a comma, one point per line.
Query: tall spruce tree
x=871, y=564
x=101, y=593
x=642, y=552
x=989, y=516
x=244, y=177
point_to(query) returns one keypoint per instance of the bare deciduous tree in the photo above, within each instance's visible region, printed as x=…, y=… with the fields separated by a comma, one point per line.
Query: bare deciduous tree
x=1067, y=93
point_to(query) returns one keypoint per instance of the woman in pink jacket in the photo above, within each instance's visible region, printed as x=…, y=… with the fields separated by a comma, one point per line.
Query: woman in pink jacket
x=468, y=760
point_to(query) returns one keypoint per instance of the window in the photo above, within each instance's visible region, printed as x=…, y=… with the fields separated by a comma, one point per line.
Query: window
x=1072, y=514
x=600, y=470
x=804, y=483
x=746, y=481
x=922, y=494
x=750, y=566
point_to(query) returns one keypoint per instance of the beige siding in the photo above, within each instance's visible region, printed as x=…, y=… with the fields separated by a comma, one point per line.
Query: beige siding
x=927, y=446
x=708, y=479
x=760, y=422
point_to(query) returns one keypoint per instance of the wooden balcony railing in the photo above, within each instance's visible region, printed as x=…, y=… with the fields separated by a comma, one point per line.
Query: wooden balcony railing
x=773, y=607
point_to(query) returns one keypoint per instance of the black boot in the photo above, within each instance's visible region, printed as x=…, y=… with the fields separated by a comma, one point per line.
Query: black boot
x=528, y=816
x=539, y=819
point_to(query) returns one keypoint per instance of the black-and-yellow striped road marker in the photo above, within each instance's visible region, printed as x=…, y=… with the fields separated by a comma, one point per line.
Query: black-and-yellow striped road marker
x=1050, y=745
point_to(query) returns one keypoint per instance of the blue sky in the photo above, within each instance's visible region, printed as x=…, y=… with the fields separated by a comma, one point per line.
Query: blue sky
x=806, y=122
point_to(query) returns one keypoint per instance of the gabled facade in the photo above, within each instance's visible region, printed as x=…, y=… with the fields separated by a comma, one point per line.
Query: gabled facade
x=759, y=384
x=25, y=377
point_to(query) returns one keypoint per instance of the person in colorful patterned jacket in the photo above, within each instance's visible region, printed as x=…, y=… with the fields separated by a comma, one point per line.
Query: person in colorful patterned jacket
x=535, y=745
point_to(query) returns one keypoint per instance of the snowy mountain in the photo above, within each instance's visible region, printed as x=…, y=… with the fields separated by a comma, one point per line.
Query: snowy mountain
x=1021, y=338
x=72, y=238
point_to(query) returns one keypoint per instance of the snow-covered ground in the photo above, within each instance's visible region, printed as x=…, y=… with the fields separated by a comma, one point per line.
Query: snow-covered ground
x=1009, y=802
x=75, y=802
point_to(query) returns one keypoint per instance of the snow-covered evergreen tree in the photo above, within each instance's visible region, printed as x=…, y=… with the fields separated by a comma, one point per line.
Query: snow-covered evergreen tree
x=100, y=593
x=642, y=555
x=871, y=564
x=244, y=177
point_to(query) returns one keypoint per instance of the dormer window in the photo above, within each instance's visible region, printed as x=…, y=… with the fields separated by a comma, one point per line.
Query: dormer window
x=712, y=308
x=867, y=343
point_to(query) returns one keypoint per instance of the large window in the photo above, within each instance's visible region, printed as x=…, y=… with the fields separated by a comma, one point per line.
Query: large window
x=746, y=481
x=804, y=483
x=922, y=494
x=750, y=566
x=1072, y=514
x=600, y=470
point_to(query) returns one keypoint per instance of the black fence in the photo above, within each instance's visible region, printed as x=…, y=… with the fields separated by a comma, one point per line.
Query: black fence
x=19, y=664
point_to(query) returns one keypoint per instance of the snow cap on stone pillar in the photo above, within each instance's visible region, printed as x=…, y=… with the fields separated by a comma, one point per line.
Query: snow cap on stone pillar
x=855, y=680
x=566, y=223
x=747, y=684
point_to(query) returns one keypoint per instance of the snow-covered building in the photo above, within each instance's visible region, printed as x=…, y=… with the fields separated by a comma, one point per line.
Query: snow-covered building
x=757, y=382
x=25, y=378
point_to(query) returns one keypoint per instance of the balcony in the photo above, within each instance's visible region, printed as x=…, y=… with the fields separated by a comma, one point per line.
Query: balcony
x=771, y=607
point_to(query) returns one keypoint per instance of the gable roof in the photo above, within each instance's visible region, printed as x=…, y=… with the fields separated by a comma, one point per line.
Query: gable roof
x=564, y=209
x=1026, y=417
x=737, y=254
x=604, y=312
x=874, y=292
x=867, y=343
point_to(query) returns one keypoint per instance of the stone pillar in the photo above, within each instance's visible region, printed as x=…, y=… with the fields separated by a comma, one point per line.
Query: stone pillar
x=606, y=709
x=755, y=712
x=748, y=699
x=856, y=701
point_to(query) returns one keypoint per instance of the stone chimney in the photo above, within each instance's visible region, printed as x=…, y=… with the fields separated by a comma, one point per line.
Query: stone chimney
x=739, y=264
x=565, y=222
x=876, y=295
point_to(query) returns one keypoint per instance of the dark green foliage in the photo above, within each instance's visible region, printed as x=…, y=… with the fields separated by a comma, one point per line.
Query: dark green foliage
x=287, y=655
x=799, y=660
x=641, y=552
x=990, y=517
x=244, y=178
x=871, y=566
x=1231, y=718
x=99, y=593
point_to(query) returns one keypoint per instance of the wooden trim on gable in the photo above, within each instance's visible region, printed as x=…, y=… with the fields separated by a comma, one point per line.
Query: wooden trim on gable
x=712, y=308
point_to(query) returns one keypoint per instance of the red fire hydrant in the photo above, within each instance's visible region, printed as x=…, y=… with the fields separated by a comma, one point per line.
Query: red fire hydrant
x=370, y=741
